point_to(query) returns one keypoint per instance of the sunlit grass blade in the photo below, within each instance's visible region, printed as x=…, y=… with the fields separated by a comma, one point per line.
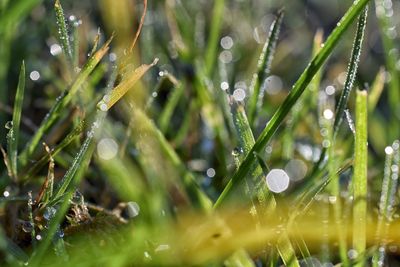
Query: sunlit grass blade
x=169, y=108
x=351, y=71
x=63, y=31
x=376, y=90
x=265, y=198
x=294, y=95
x=213, y=38
x=387, y=200
x=360, y=175
x=16, y=120
x=263, y=69
x=118, y=92
x=62, y=102
x=349, y=83
x=239, y=259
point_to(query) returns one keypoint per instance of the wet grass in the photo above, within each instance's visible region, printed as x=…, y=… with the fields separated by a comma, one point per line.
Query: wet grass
x=160, y=126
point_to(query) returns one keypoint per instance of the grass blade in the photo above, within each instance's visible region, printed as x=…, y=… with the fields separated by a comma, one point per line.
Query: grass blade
x=211, y=51
x=246, y=141
x=63, y=32
x=388, y=195
x=16, y=120
x=293, y=96
x=360, y=175
x=376, y=90
x=351, y=72
x=263, y=69
x=118, y=92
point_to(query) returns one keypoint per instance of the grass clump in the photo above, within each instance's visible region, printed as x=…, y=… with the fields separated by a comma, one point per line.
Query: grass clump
x=190, y=159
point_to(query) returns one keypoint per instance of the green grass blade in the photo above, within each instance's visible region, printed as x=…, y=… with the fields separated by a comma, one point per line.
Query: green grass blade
x=169, y=108
x=16, y=120
x=387, y=200
x=294, y=95
x=360, y=175
x=376, y=90
x=62, y=102
x=263, y=69
x=351, y=71
x=213, y=39
x=63, y=31
x=246, y=141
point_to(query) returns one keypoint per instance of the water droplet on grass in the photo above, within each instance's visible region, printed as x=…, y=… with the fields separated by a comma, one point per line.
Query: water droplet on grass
x=389, y=150
x=8, y=125
x=352, y=254
x=6, y=194
x=239, y=94
x=226, y=42
x=224, y=86
x=38, y=237
x=132, y=209
x=330, y=90
x=328, y=114
x=27, y=227
x=49, y=213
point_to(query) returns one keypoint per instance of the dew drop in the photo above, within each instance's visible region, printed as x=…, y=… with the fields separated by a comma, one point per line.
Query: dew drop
x=389, y=150
x=226, y=57
x=55, y=49
x=6, y=194
x=224, y=86
x=8, y=125
x=330, y=90
x=328, y=114
x=38, y=237
x=27, y=227
x=227, y=42
x=239, y=94
x=132, y=209
x=49, y=213
x=352, y=254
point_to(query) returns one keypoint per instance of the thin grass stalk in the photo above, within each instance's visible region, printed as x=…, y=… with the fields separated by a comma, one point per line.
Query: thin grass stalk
x=387, y=200
x=16, y=120
x=257, y=87
x=63, y=32
x=376, y=90
x=213, y=38
x=360, y=175
x=293, y=96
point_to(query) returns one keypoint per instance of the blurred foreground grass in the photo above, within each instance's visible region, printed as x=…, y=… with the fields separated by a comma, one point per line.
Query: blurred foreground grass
x=188, y=146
